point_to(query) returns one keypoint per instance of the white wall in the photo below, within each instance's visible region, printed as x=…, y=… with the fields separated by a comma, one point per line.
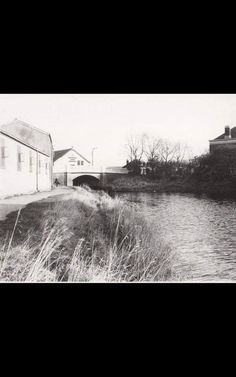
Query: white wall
x=69, y=163
x=14, y=182
x=44, y=179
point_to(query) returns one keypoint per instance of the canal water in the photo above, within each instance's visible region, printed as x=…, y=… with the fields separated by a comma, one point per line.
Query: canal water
x=201, y=231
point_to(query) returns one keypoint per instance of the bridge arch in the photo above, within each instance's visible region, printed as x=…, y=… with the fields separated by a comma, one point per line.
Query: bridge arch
x=90, y=180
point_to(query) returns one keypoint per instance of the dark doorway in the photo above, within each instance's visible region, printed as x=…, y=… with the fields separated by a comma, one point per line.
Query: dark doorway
x=88, y=180
x=65, y=179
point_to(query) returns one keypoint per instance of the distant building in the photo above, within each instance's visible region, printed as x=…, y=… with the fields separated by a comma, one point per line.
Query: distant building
x=26, y=159
x=136, y=167
x=66, y=163
x=226, y=141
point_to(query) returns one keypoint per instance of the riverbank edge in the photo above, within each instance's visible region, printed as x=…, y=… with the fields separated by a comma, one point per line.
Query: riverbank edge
x=85, y=237
x=223, y=189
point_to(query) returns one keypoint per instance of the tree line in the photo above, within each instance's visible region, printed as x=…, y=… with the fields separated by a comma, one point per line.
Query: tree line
x=157, y=157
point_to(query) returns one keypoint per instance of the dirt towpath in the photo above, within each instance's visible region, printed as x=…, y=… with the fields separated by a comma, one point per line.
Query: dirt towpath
x=14, y=203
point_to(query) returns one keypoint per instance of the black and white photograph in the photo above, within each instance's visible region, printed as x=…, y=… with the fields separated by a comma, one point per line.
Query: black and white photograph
x=117, y=188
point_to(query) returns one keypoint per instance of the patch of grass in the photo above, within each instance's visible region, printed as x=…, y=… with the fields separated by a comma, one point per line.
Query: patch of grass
x=85, y=237
x=146, y=184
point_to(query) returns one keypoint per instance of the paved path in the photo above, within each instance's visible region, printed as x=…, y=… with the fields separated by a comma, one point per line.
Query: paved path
x=16, y=202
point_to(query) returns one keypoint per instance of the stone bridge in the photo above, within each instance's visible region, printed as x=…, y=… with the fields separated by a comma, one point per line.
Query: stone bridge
x=92, y=176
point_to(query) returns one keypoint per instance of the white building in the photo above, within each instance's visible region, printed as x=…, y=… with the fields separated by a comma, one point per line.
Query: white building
x=26, y=159
x=70, y=168
x=66, y=163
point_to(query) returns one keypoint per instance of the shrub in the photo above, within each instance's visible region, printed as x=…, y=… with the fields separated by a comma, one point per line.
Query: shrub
x=218, y=165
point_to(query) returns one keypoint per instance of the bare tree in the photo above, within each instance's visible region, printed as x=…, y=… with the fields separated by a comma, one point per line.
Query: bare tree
x=152, y=148
x=168, y=151
x=162, y=155
x=181, y=152
x=135, y=147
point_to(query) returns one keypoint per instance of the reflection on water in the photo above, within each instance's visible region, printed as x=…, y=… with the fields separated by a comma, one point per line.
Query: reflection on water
x=202, y=231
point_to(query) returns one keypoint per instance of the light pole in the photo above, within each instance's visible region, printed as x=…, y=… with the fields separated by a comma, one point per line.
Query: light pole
x=92, y=153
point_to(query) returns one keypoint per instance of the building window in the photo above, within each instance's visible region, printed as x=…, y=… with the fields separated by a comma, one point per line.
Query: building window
x=82, y=162
x=78, y=162
x=46, y=167
x=40, y=164
x=2, y=154
x=30, y=161
x=20, y=158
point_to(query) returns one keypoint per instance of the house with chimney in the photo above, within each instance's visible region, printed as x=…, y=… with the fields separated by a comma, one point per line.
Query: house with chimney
x=226, y=141
x=26, y=159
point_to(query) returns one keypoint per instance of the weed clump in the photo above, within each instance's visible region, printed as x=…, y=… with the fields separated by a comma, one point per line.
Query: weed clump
x=86, y=236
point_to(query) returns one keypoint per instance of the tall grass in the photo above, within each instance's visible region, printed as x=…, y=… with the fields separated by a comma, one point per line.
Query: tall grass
x=87, y=237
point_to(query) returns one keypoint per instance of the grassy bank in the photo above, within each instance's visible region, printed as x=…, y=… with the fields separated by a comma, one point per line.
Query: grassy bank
x=144, y=184
x=223, y=188
x=86, y=236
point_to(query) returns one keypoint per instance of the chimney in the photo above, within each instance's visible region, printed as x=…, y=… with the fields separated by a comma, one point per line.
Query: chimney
x=227, y=132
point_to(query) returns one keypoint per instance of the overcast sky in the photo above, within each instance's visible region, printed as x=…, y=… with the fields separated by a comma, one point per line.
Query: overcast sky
x=105, y=121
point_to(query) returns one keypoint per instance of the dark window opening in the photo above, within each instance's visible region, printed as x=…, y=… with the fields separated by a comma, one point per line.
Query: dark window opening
x=2, y=153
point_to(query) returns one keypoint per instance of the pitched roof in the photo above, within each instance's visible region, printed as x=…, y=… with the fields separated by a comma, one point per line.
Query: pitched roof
x=59, y=154
x=29, y=135
x=62, y=152
x=233, y=134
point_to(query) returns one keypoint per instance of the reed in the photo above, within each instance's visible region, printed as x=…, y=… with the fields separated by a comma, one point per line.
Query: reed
x=87, y=237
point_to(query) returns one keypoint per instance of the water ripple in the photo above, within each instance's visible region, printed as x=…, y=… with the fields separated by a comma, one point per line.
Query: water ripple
x=201, y=230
